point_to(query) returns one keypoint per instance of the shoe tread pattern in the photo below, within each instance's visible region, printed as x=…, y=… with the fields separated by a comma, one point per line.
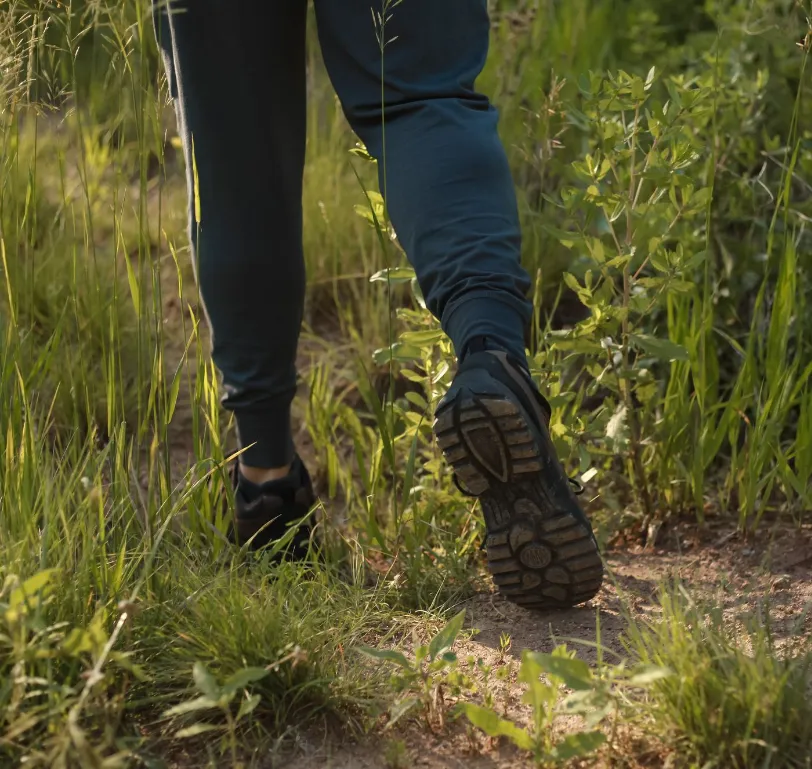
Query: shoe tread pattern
x=540, y=555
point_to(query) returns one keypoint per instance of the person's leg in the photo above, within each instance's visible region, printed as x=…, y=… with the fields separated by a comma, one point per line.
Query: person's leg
x=448, y=187
x=237, y=75
x=450, y=196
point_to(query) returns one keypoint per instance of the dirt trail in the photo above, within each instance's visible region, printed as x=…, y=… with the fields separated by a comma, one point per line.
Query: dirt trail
x=716, y=564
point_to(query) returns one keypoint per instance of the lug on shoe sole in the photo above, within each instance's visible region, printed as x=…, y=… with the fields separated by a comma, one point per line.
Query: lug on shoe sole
x=540, y=556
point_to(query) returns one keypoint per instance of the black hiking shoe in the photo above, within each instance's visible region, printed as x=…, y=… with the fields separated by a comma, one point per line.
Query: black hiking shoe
x=492, y=426
x=268, y=516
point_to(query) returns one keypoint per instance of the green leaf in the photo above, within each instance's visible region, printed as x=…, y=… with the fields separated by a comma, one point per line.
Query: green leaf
x=248, y=706
x=674, y=93
x=578, y=745
x=28, y=590
x=399, y=351
x=374, y=210
x=701, y=199
x=594, y=717
x=671, y=285
x=389, y=655
x=416, y=399
x=393, y=275
x=199, y=703
x=621, y=260
x=195, y=729
x=417, y=293
x=680, y=286
x=493, y=726
x=174, y=391
x=400, y=709
x=445, y=639
x=562, y=399
x=574, y=673
x=135, y=292
x=645, y=675
x=124, y=661
x=413, y=376
x=654, y=283
x=242, y=678
x=78, y=641
x=365, y=213
x=638, y=89
x=664, y=349
x=646, y=392
x=594, y=705
x=572, y=283
x=360, y=150
x=694, y=261
x=566, y=238
x=408, y=474
x=195, y=186
x=577, y=344
x=205, y=681
x=422, y=338
x=589, y=702
x=374, y=197
x=597, y=251
x=540, y=696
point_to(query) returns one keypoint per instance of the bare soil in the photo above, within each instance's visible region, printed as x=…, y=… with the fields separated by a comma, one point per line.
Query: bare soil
x=717, y=563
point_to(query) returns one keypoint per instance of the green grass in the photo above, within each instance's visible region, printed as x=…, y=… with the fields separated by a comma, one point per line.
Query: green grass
x=701, y=401
x=738, y=695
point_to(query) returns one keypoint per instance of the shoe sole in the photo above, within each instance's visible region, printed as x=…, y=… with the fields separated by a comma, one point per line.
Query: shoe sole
x=540, y=556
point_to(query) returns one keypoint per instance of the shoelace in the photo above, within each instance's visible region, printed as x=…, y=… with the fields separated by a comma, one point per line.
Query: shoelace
x=577, y=487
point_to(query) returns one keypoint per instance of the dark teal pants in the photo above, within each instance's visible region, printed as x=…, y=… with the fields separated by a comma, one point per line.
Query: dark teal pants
x=237, y=75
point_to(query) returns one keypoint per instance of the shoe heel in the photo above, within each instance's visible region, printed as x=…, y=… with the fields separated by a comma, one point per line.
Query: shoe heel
x=486, y=440
x=541, y=552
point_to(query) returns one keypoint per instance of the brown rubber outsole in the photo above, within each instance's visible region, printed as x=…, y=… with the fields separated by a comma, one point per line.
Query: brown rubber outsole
x=540, y=556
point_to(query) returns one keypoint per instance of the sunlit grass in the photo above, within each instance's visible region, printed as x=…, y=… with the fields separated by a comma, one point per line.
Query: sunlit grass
x=103, y=353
